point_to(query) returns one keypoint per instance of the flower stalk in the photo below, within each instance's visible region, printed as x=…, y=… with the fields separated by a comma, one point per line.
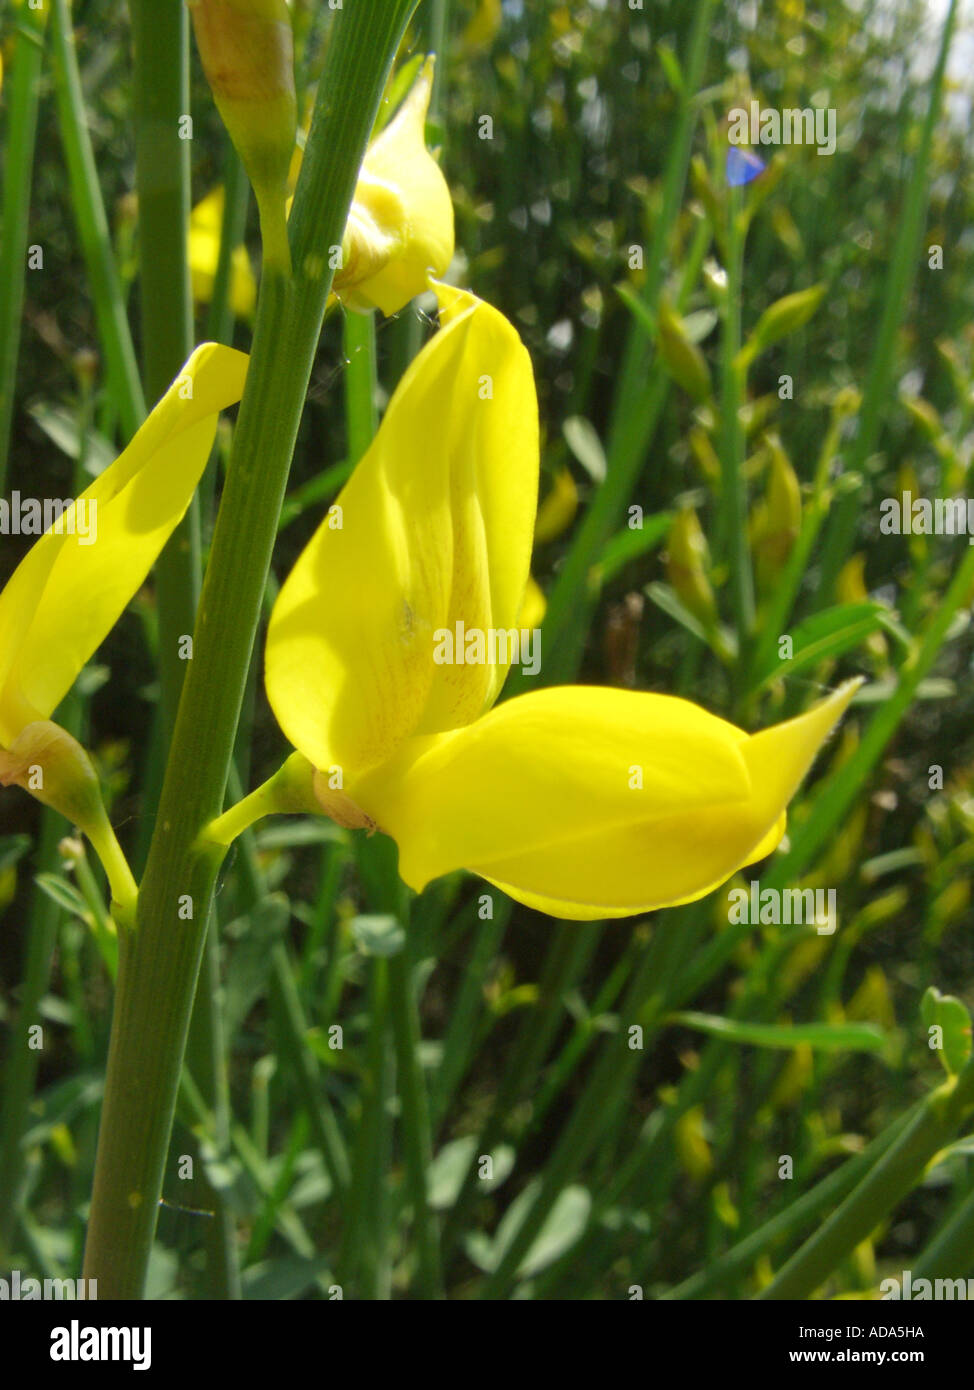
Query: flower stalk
x=160, y=961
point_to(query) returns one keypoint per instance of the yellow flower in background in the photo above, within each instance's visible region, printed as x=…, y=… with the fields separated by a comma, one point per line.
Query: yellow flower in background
x=557, y=512
x=205, y=227
x=580, y=801
x=483, y=25
x=73, y=584
x=534, y=606
x=400, y=225
x=399, y=230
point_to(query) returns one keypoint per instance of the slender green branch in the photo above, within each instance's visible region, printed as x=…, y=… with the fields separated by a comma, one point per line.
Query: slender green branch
x=795, y=1216
x=733, y=488
x=92, y=223
x=415, y=1120
x=895, y=301
x=23, y=95
x=159, y=962
x=160, y=85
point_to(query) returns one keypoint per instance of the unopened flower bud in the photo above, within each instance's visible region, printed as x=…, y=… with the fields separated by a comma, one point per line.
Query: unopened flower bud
x=247, y=51
x=688, y=557
x=400, y=224
x=48, y=762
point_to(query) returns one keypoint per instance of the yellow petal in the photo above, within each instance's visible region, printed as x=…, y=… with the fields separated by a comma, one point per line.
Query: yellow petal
x=435, y=529
x=69, y=590
x=542, y=798
x=400, y=227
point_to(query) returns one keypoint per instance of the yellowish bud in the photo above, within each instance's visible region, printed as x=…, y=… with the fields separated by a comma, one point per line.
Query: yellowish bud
x=557, y=512
x=690, y=1141
x=687, y=560
x=247, y=51
x=46, y=761
x=533, y=606
x=400, y=225
x=681, y=357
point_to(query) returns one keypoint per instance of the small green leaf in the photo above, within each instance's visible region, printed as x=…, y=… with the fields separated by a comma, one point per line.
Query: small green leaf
x=785, y=316
x=287, y=1277
x=564, y=1225
x=823, y=637
x=827, y=1037
x=948, y=1025
x=628, y=545
x=720, y=640
x=65, y=895
x=584, y=442
x=12, y=848
x=449, y=1168
x=378, y=935
x=61, y=427
x=670, y=64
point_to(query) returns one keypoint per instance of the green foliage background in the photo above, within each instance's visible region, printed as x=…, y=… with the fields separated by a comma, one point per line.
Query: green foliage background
x=613, y=1165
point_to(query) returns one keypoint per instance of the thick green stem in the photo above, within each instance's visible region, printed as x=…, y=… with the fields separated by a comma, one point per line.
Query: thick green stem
x=161, y=104
x=160, y=960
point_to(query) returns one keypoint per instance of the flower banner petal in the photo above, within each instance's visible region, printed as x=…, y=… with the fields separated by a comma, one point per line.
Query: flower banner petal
x=433, y=529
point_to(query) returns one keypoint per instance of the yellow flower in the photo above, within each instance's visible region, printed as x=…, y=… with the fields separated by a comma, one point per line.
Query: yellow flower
x=73, y=584
x=579, y=801
x=205, y=227
x=400, y=225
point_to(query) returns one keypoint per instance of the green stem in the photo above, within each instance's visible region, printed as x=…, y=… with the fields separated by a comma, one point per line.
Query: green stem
x=93, y=230
x=798, y=1214
x=160, y=86
x=236, y=194
x=159, y=962
x=365, y=1204
x=895, y=301
x=733, y=486
x=950, y=1255
x=415, y=1121
x=23, y=95
x=220, y=318
x=20, y=1063
x=206, y=1060
x=104, y=932
x=895, y=1175
x=160, y=36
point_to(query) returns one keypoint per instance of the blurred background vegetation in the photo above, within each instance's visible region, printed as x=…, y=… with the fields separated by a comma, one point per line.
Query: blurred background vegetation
x=597, y=217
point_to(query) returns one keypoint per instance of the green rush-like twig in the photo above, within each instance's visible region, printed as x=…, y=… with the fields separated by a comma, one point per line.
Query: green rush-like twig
x=159, y=961
x=23, y=96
